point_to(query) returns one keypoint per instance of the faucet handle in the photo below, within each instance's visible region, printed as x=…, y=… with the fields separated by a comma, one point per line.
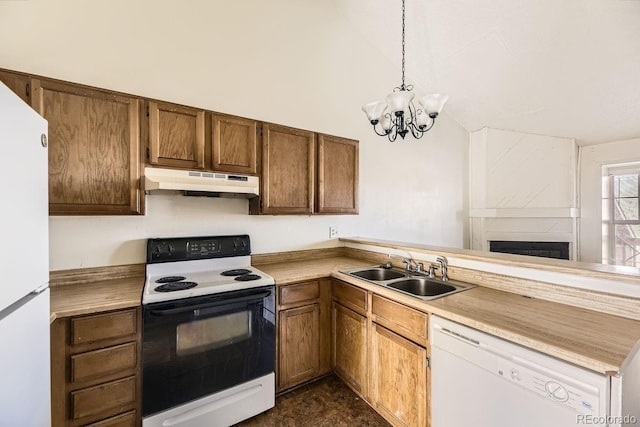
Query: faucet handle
x=409, y=262
x=420, y=268
x=432, y=270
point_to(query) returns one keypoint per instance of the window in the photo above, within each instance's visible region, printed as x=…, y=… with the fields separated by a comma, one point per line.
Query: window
x=621, y=214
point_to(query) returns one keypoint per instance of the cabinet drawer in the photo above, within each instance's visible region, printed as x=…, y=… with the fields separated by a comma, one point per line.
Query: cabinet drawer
x=292, y=294
x=350, y=296
x=410, y=323
x=103, y=326
x=103, y=362
x=123, y=420
x=104, y=397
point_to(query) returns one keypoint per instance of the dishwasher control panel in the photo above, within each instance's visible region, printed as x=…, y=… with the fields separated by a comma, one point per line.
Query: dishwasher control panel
x=582, y=398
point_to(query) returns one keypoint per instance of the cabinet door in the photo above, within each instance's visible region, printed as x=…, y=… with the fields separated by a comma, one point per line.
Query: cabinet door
x=94, y=149
x=235, y=144
x=337, y=175
x=398, y=378
x=287, y=170
x=176, y=136
x=18, y=83
x=299, y=358
x=350, y=347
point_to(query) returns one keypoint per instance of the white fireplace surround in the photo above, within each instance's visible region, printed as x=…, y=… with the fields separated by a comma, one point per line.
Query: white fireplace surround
x=522, y=187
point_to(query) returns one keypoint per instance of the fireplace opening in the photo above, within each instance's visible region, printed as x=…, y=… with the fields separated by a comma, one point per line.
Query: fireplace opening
x=559, y=250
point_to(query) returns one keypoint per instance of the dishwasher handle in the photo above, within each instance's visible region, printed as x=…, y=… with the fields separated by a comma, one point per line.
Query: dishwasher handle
x=457, y=336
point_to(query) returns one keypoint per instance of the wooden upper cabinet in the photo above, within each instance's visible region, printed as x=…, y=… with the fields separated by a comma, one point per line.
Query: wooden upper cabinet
x=94, y=148
x=337, y=175
x=287, y=170
x=234, y=144
x=18, y=83
x=176, y=136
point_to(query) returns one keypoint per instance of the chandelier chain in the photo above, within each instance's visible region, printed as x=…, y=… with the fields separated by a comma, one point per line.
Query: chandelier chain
x=403, y=44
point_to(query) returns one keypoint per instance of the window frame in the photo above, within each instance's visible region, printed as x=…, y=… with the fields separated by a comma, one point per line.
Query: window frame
x=609, y=172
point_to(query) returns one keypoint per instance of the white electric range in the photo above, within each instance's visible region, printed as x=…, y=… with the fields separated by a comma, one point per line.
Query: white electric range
x=208, y=352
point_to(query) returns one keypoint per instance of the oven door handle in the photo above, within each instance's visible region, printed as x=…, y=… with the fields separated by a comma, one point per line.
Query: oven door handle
x=177, y=310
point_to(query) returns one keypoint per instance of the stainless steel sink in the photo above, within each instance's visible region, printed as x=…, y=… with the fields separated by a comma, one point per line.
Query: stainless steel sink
x=416, y=284
x=422, y=287
x=378, y=274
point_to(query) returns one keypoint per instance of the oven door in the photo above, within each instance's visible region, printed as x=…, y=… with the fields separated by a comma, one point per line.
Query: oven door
x=198, y=346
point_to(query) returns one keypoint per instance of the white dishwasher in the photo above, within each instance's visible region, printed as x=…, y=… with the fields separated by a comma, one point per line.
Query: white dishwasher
x=483, y=381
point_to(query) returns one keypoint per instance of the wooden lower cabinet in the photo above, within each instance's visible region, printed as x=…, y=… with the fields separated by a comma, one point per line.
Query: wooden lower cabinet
x=304, y=342
x=399, y=378
x=299, y=345
x=95, y=370
x=350, y=347
x=380, y=350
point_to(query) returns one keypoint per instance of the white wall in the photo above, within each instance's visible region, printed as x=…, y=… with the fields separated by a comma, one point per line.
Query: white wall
x=282, y=61
x=592, y=158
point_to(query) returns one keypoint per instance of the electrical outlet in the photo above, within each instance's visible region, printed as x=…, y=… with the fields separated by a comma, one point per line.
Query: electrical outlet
x=333, y=232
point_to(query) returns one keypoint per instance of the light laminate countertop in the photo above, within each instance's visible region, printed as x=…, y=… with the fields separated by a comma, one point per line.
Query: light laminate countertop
x=597, y=341
x=94, y=297
x=587, y=338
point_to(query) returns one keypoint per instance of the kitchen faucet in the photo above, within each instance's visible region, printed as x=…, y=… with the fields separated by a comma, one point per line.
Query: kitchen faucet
x=443, y=267
x=411, y=265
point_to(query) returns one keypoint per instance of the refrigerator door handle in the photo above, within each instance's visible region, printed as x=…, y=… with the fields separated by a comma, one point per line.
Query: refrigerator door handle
x=22, y=301
x=41, y=289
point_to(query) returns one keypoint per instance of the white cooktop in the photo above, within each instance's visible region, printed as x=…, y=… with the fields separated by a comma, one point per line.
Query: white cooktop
x=207, y=273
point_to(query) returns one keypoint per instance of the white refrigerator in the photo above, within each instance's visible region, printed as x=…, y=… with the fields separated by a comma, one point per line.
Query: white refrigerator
x=25, y=391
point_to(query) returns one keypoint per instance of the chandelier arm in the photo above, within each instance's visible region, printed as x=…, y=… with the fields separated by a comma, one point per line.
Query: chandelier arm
x=413, y=113
x=416, y=132
x=375, y=129
x=428, y=128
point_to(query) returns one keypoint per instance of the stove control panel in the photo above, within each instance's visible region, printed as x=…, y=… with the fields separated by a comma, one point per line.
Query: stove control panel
x=192, y=248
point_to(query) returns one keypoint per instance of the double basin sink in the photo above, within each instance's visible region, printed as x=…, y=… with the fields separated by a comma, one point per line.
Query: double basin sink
x=416, y=284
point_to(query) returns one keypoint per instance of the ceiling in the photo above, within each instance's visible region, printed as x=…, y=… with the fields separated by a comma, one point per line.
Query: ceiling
x=567, y=68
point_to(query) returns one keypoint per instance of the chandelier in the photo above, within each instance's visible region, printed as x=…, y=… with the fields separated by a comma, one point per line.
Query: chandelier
x=397, y=115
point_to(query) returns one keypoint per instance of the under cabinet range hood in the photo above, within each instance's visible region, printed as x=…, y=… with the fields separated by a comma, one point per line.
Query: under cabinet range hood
x=200, y=183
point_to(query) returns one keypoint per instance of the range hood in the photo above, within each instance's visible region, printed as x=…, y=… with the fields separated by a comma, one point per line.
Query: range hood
x=200, y=183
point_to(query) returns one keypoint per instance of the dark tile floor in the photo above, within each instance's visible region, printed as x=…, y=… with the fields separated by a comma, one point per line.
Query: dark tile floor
x=325, y=403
